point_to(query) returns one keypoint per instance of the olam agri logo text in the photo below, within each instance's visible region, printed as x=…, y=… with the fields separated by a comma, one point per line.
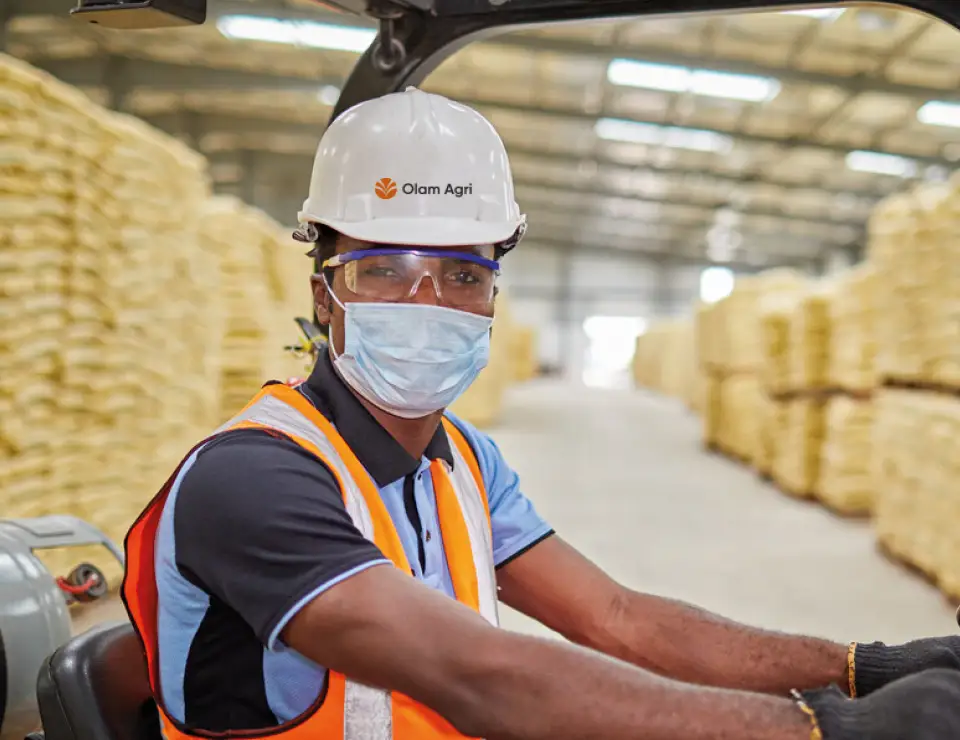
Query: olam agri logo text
x=386, y=188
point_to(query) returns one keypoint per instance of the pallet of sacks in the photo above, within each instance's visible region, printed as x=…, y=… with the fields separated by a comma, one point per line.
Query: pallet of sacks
x=846, y=482
x=902, y=261
x=738, y=359
x=771, y=425
x=647, y=363
x=678, y=360
x=917, y=469
x=913, y=244
x=796, y=467
x=264, y=283
x=664, y=359
x=739, y=415
x=37, y=179
x=716, y=366
x=525, y=353
x=917, y=426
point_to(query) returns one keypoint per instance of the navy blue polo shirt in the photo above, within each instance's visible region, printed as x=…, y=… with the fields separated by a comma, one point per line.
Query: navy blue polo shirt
x=255, y=528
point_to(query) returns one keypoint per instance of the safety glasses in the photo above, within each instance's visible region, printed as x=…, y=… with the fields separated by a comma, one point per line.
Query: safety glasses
x=460, y=279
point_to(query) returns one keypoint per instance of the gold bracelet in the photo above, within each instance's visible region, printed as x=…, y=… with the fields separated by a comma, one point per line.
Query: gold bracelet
x=852, y=670
x=815, y=732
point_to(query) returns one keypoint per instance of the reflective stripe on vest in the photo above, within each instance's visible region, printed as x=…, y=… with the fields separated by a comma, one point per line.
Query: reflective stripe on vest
x=350, y=710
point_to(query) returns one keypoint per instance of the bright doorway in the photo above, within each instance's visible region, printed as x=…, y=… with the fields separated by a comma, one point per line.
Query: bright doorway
x=611, y=342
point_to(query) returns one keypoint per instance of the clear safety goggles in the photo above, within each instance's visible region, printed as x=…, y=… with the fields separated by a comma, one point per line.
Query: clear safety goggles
x=460, y=279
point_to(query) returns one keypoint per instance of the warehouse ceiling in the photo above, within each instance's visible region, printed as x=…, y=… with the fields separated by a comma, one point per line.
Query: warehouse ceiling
x=754, y=140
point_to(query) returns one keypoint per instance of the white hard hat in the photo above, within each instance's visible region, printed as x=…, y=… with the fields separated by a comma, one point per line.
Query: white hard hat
x=413, y=168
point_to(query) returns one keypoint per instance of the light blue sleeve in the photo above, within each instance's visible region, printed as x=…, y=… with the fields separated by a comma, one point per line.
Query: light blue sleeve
x=515, y=522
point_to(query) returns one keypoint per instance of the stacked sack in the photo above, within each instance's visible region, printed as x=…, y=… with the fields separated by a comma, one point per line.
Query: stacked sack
x=647, y=363
x=37, y=183
x=665, y=360
x=896, y=253
x=526, y=360
x=846, y=483
x=137, y=312
x=845, y=477
x=917, y=465
x=771, y=427
x=650, y=359
x=916, y=432
x=797, y=461
x=943, y=284
x=679, y=362
x=776, y=310
x=740, y=407
x=102, y=358
x=732, y=336
x=725, y=351
x=264, y=283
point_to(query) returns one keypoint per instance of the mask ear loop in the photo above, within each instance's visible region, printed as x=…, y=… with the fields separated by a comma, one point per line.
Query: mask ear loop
x=333, y=349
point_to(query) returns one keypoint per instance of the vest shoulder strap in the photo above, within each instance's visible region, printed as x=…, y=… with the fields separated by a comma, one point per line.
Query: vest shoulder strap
x=462, y=444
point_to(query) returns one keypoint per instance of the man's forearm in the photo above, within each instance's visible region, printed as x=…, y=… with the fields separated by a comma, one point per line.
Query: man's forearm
x=524, y=688
x=681, y=641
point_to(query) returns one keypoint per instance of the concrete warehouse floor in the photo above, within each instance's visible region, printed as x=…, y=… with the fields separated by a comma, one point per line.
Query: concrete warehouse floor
x=621, y=475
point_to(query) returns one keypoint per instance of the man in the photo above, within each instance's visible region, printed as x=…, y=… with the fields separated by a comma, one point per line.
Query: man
x=328, y=563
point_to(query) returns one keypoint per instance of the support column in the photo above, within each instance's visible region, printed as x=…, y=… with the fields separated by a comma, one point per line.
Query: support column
x=116, y=81
x=663, y=290
x=837, y=260
x=564, y=310
x=248, y=185
x=8, y=9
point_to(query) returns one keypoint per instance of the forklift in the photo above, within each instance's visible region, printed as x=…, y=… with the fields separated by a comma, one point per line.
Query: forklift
x=94, y=686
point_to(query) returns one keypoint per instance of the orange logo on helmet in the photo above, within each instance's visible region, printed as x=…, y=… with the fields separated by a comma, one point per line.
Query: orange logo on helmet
x=385, y=188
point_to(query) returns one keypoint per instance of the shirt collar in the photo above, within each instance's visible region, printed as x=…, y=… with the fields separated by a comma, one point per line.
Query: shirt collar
x=379, y=453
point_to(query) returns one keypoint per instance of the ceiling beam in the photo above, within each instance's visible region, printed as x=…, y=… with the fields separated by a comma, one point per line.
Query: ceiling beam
x=855, y=84
x=134, y=74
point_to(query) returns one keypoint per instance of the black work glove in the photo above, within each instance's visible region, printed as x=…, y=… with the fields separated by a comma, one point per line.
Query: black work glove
x=874, y=665
x=924, y=706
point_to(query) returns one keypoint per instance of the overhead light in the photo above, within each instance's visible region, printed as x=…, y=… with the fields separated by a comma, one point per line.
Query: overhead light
x=296, y=33
x=873, y=21
x=709, y=83
x=328, y=94
x=824, y=14
x=716, y=283
x=939, y=113
x=676, y=137
x=881, y=164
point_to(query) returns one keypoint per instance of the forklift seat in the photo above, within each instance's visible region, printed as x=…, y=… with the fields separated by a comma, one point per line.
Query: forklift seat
x=95, y=687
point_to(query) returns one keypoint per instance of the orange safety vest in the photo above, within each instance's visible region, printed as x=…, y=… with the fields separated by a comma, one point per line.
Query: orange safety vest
x=346, y=709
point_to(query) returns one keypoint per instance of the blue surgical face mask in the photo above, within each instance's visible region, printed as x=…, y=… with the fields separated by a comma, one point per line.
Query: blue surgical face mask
x=411, y=359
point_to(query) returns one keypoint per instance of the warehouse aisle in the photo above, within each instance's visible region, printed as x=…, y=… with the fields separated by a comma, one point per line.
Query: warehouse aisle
x=621, y=474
